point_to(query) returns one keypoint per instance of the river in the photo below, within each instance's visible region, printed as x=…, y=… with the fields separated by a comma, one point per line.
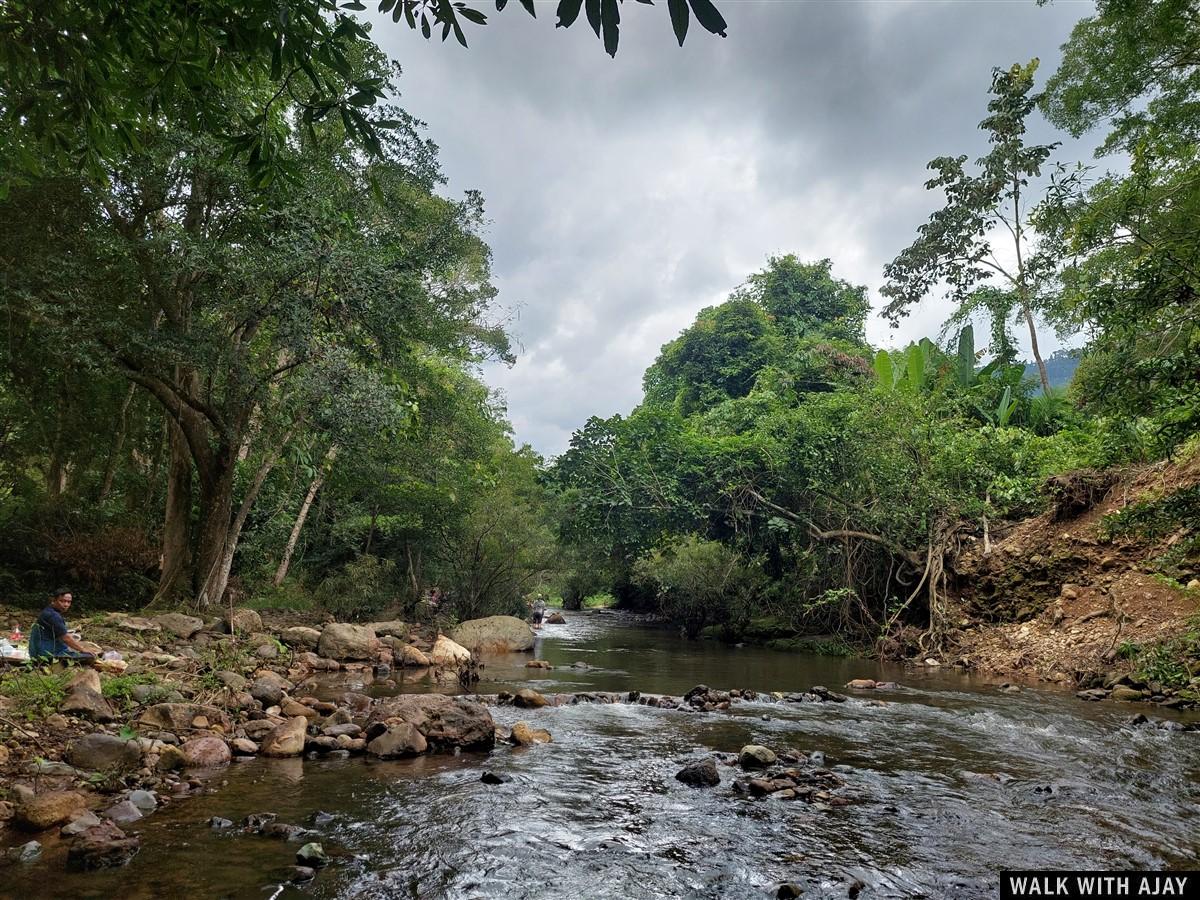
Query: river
x=956, y=779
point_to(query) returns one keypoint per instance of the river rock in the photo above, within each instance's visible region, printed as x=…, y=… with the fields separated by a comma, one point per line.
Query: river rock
x=525, y=735
x=286, y=739
x=445, y=722
x=169, y=758
x=143, y=800
x=700, y=774
x=85, y=700
x=408, y=656
x=45, y=810
x=132, y=623
x=528, y=699
x=754, y=756
x=123, y=812
x=494, y=634
x=341, y=640
x=244, y=747
x=301, y=874
x=179, y=716
x=1128, y=694
x=538, y=664
x=862, y=684
x=401, y=739
x=300, y=636
x=291, y=708
x=243, y=621
x=556, y=618
x=80, y=823
x=394, y=628
x=312, y=855
x=102, y=846
x=347, y=728
x=178, y=624
x=268, y=691
x=216, y=823
x=205, y=752
x=99, y=752
x=448, y=654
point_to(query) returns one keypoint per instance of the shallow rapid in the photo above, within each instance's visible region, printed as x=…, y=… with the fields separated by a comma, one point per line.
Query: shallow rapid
x=954, y=779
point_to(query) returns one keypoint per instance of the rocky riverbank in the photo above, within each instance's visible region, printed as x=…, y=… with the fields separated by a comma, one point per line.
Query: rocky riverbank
x=84, y=755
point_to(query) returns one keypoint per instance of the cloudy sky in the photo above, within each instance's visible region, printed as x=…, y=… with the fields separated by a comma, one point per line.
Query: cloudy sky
x=626, y=194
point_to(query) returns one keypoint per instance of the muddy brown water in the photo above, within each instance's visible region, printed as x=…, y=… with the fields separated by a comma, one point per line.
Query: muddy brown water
x=958, y=781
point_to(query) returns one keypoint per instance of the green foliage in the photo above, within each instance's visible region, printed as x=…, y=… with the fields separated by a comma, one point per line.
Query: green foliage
x=119, y=688
x=1131, y=249
x=603, y=600
x=698, y=582
x=1156, y=517
x=1172, y=663
x=364, y=587
x=35, y=692
x=87, y=82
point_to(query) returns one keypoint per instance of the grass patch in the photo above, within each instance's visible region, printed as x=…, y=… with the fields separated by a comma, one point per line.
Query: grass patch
x=35, y=692
x=119, y=688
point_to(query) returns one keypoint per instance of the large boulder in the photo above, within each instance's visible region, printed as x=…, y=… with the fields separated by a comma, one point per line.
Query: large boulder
x=494, y=634
x=341, y=640
x=243, y=621
x=180, y=716
x=286, y=739
x=443, y=721
x=100, y=752
x=448, y=654
x=42, y=811
x=300, y=636
x=401, y=739
x=205, y=752
x=178, y=624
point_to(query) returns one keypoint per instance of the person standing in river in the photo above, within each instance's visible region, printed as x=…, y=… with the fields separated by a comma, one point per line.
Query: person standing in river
x=49, y=637
x=539, y=611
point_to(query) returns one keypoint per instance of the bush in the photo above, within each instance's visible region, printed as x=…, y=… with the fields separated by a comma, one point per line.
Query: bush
x=363, y=588
x=699, y=582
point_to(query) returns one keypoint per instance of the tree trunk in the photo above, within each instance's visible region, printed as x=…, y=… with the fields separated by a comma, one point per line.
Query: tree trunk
x=177, y=531
x=216, y=508
x=286, y=561
x=1033, y=342
x=114, y=456
x=235, y=528
x=56, y=469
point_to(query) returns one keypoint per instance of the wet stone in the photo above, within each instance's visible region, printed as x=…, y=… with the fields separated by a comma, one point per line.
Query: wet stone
x=700, y=774
x=218, y=824
x=495, y=778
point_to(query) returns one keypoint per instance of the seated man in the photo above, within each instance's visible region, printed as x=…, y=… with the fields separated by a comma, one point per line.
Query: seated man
x=48, y=638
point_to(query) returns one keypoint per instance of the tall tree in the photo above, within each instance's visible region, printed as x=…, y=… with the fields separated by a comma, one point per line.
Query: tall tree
x=958, y=246
x=1133, y=273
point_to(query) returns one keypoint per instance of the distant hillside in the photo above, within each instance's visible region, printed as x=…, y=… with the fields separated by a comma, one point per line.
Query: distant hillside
x=1060, y=367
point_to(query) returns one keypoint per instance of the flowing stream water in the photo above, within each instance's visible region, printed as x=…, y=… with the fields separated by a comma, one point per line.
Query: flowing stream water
x=956, y=779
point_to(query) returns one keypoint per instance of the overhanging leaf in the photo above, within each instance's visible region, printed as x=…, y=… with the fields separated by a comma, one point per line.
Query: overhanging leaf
x=680, y=17
x=568, y=12
x=708, y=16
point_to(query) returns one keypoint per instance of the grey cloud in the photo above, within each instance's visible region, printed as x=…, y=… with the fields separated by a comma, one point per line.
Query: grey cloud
x=624, y=195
